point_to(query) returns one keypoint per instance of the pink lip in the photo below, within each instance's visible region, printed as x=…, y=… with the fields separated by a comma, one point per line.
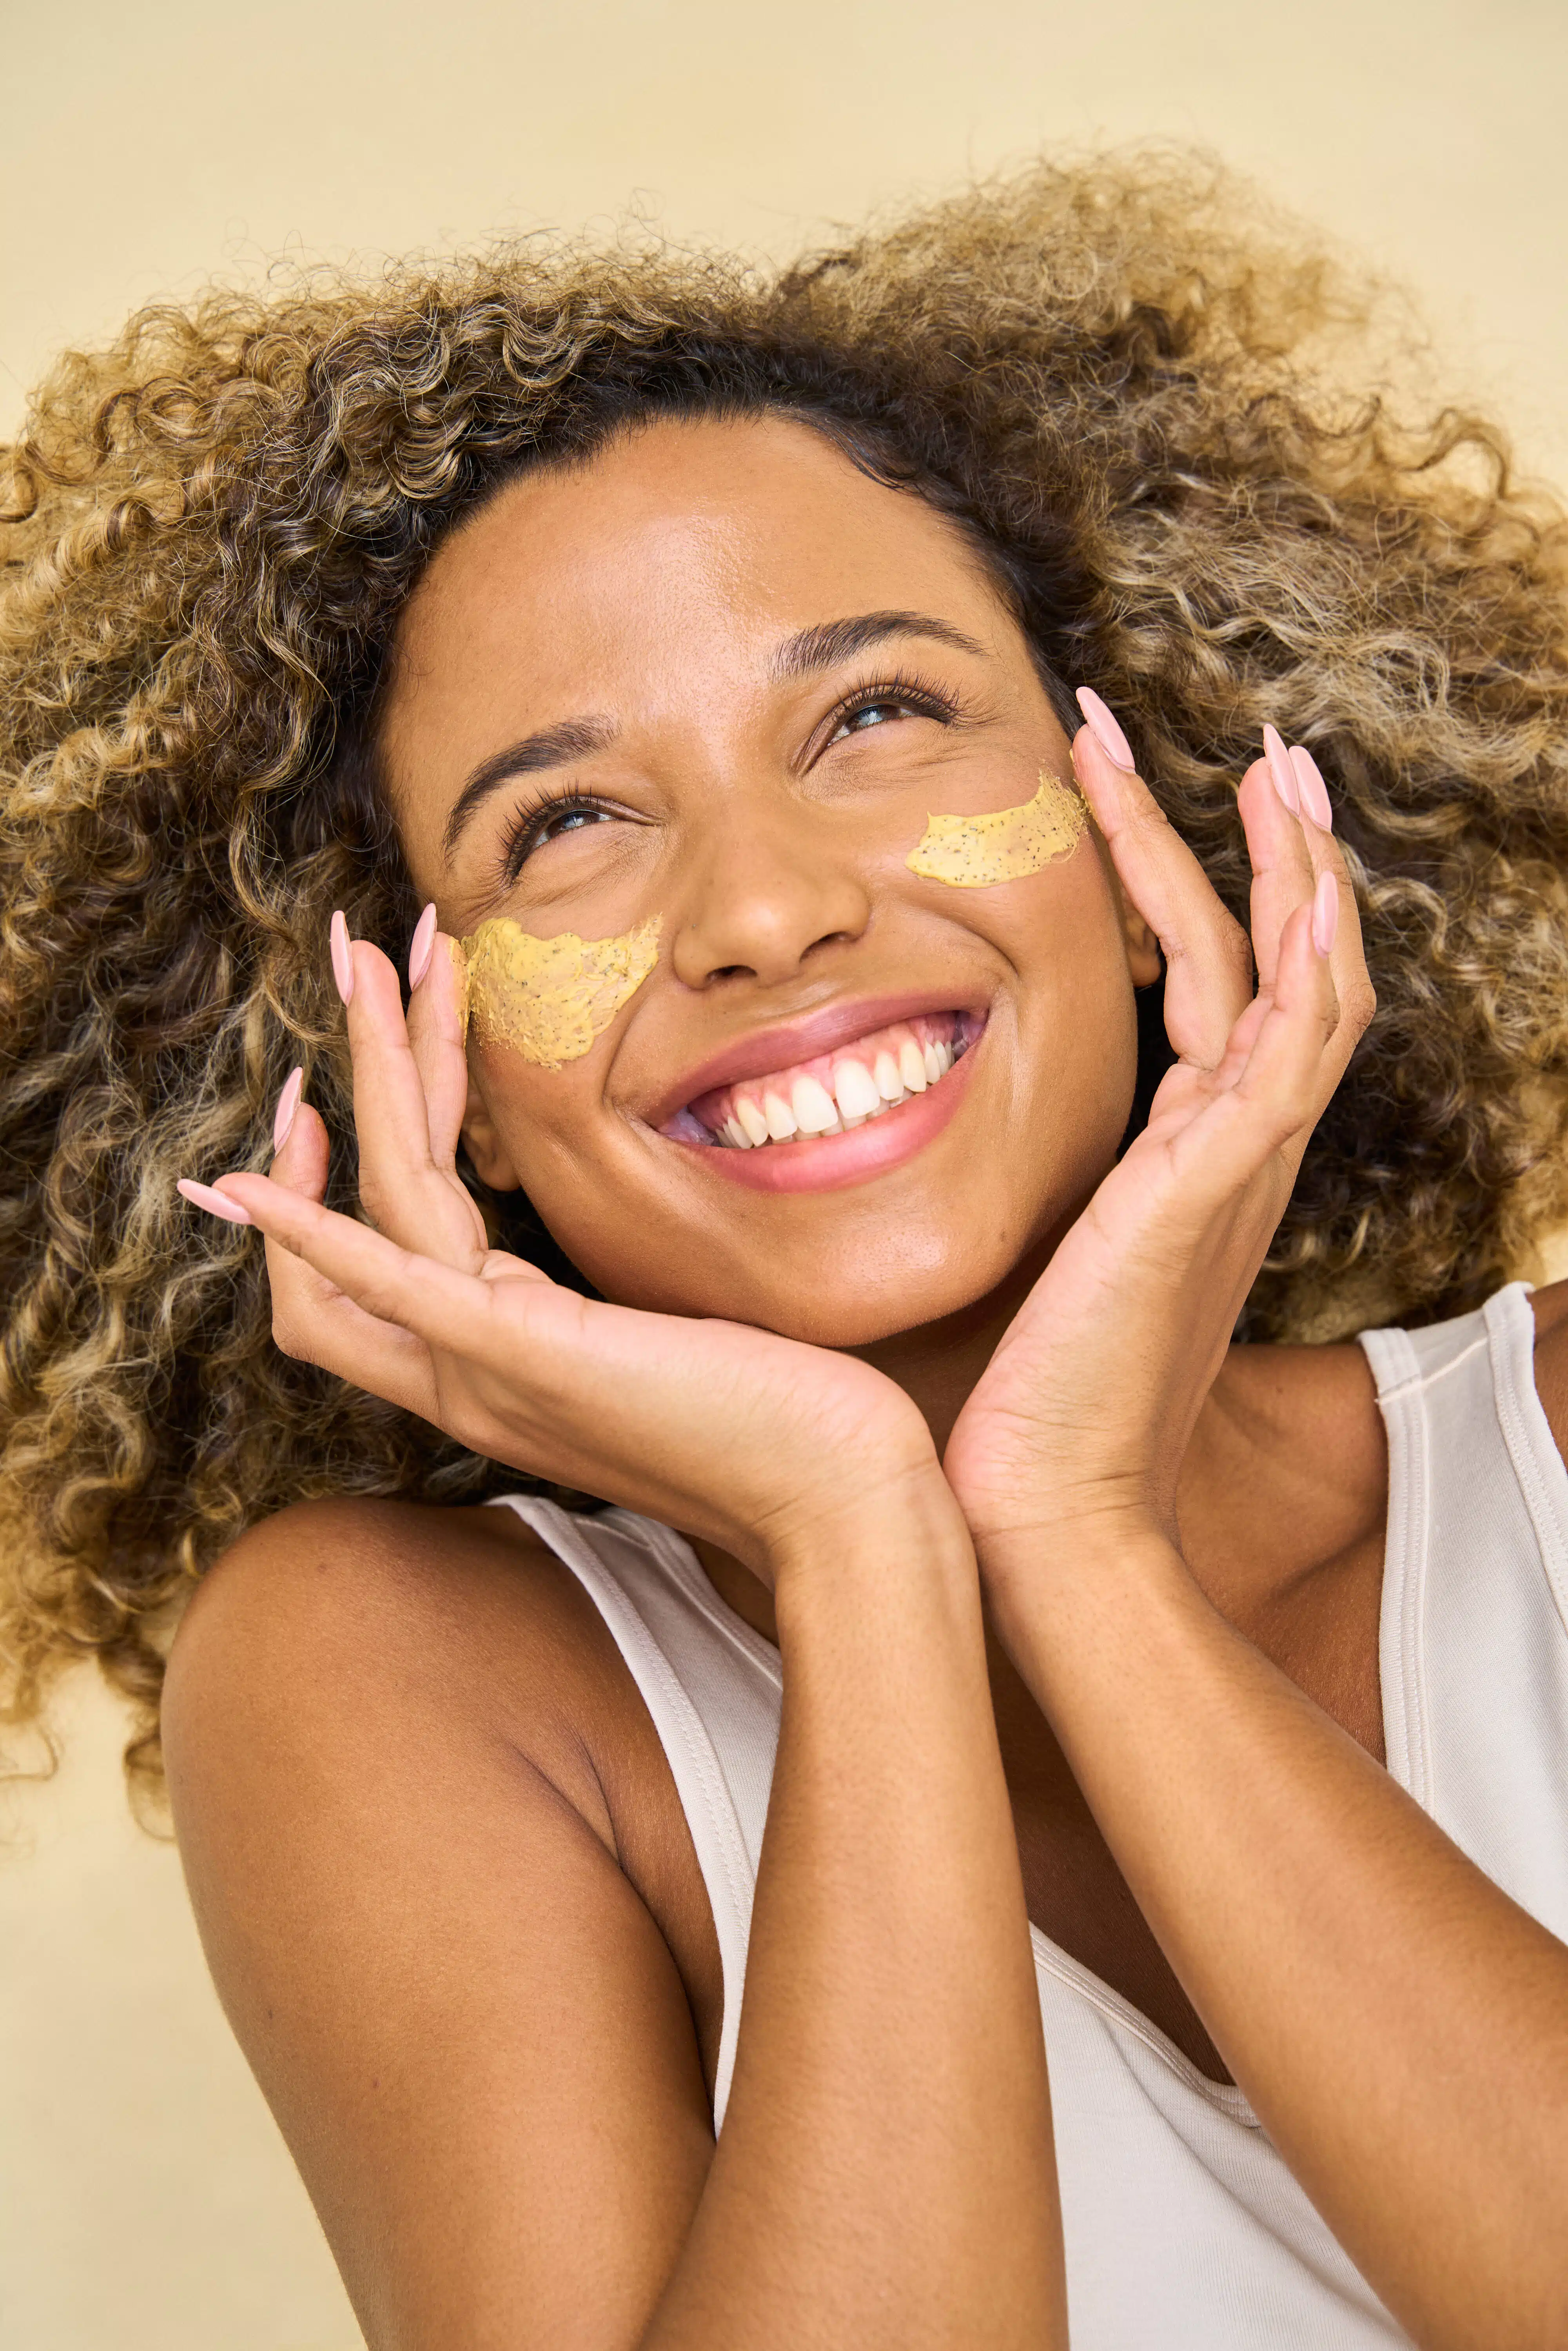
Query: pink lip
x=758, y=1056
x=830, y=1161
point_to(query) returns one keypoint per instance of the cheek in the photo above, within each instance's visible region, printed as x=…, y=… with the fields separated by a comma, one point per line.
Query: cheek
x=1076, y=1007
x=548, y=999
x=976, y=852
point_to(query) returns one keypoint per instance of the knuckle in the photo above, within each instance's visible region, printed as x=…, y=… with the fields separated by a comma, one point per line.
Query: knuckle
x=1144, y=812
x=1232, y=944
x=372, y=1199
x=1358, y=1003
x=284, y=1336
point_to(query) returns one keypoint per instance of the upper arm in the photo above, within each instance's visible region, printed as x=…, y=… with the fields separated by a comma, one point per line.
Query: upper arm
x=469, y=2027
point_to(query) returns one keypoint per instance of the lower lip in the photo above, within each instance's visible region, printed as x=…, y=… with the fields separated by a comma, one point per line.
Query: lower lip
x=828, y=1162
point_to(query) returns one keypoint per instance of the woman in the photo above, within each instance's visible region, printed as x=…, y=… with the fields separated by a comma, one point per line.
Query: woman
x=1130, y=1782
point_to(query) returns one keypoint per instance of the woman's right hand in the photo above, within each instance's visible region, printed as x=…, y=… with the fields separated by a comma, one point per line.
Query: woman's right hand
x=755, y=1442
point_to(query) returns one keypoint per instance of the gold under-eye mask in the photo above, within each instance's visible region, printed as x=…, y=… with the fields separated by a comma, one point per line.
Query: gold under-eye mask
x=549, y=999
x=974, y=851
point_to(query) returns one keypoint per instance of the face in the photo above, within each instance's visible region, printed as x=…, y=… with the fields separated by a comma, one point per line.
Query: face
x=708, y=691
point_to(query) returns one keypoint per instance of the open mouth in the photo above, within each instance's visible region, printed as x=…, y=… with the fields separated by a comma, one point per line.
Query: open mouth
x=832, y=1094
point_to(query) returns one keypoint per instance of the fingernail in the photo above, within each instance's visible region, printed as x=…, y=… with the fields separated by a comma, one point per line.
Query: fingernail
x=1325, y=913
x=1281, y=769
x=288, y=1103
x=419, y=946
x=1314, y=792
x=1104, y=729
x=216, y=1204
x=342, y=961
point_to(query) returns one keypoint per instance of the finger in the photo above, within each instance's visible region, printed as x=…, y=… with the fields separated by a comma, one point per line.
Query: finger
x=436, y=1041
x=1353, y=983
x=1209, y=963
x=300, y=1146
x=1282, y=875
x=1293, y=1064
x=1290, y=1071
x=300, y=1164
x=1281, y=801
x=448, y=1309
x=517, y=1327
x=404, y=1190
x=312, y=1322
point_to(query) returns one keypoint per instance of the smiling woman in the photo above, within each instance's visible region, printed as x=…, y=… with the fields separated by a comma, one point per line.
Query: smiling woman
x=850, y=1104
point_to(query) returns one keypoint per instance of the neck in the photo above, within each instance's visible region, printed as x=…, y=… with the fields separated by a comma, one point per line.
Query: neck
x=936, y=1367
x=939, y=1364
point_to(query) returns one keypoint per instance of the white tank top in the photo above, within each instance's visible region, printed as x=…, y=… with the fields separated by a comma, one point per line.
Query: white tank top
x=1185, y=2231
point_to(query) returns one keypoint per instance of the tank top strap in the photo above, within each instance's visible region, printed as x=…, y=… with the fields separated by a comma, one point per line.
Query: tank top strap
x=713, y=1690
x=1474, y=1637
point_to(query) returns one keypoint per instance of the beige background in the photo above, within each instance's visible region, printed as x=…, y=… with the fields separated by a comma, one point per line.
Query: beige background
x=145, y=2199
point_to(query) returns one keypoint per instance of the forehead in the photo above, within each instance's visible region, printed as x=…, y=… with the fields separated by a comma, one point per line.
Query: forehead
x=679, y=543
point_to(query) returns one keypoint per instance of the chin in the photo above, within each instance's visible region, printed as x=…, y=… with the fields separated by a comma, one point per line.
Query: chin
x=920, y=1282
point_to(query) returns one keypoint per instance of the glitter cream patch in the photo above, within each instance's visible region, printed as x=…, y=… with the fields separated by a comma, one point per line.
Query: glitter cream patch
x=974, y=851
x=549, y=999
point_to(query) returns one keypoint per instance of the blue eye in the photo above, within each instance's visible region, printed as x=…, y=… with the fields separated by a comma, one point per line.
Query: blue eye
x=568, y=822
x=531, y=828
x=876, y=714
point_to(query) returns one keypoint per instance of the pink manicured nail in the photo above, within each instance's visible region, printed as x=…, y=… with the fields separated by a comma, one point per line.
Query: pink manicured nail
x=1281, y=769
x=342, y=960
x=1325, y=913
x=216, y=1204
x=1314, y=792
x=1104, y=729
x=288, y=1103
x=419, y=946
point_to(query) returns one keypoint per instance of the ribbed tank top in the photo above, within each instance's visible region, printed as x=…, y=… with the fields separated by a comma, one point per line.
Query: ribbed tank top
x=1185, y=2231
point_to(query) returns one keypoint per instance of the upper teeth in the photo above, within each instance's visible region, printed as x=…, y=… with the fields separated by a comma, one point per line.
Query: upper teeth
x=832, y=1093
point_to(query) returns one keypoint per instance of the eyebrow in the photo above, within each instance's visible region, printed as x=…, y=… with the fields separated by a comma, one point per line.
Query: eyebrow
x=832, y=641
x=809, y=650
x=553, y=747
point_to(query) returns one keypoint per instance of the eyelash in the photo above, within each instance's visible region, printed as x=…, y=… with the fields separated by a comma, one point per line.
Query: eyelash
x=904, y=688
x=525, y=830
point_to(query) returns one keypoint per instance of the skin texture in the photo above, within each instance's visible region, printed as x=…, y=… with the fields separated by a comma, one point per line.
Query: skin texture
x=1077, y=1608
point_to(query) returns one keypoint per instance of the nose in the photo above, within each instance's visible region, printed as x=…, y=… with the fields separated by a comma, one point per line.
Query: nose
x=770, y=893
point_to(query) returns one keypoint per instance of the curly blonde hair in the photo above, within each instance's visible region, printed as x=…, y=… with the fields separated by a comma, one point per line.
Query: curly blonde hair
x=1105, y=372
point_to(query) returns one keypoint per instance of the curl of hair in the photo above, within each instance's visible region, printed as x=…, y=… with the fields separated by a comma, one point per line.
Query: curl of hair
x=1129, y=394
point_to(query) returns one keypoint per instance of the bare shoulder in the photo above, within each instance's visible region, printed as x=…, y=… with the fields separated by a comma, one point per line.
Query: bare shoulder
x=444, y=1886
x=1550, y=1306
x=335, y=1613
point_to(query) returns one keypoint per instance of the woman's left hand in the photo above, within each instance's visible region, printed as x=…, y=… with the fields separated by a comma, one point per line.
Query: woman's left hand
x=1087, y=1407
x=1396, y=2020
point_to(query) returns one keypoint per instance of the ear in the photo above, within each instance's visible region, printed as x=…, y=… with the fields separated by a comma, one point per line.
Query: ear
x=492, y=1161
x=1143, y=946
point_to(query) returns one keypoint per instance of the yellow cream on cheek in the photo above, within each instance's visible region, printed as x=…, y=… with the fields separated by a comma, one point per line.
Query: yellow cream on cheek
x=549, y=999
x=974, y=851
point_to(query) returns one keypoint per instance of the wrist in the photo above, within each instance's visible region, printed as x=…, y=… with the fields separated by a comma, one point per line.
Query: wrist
x=897, y=1536
x=1100, y=1549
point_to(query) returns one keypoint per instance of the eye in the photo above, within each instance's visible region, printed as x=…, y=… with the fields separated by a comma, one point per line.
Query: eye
x=883, y=703
x=567, y=819
x=548, y=820
x=871, y=714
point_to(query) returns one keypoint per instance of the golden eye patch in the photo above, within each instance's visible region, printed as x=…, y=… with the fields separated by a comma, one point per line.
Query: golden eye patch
x=549, y=999
x=974, y=851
